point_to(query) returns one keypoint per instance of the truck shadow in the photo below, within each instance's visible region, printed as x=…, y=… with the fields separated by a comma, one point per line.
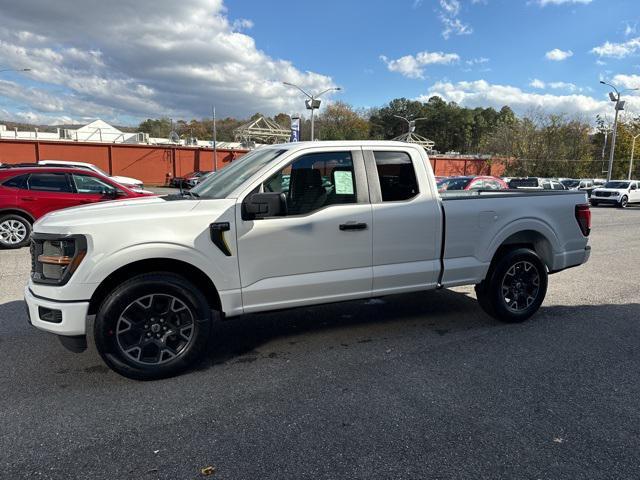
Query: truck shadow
x=441, y=312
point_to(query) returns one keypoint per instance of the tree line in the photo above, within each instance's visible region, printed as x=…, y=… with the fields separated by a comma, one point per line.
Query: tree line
x=536, y=143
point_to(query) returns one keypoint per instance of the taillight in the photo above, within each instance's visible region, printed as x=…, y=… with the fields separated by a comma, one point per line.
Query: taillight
x=583, y=216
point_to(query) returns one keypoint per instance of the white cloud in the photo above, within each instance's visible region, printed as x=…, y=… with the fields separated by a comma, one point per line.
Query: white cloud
x=450, y=7
x=617, y=50
x=451, y=24
x=627, y=81
x=544, y=3
x=570, y=87
x=481, y=93
x=558, y=55
x=413, y=66
x=120, y=60
x=537, y=83
x=630, y=29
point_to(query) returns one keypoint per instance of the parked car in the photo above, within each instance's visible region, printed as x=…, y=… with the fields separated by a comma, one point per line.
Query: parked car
x=241, y=243
x=28, y=193
x=189, y=180
x=471, y=183
x=586, y=185
x=617, y=192
x=536, y=183
x=129, y=182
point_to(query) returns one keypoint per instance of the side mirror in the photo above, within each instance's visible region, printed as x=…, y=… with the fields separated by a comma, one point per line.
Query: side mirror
x=263, y=205
x=109, y=192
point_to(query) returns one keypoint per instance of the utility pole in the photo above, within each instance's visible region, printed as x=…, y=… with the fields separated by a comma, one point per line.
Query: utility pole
x=633, y=147
x=215, y=146
x=619, y=105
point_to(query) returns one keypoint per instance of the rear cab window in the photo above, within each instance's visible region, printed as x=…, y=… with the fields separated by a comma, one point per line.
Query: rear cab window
x=397, y=175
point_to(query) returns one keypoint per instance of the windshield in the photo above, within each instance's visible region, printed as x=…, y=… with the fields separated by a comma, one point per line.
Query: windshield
x=616, y=185
x=453, y=183
x=228, y=179
x=570, y=183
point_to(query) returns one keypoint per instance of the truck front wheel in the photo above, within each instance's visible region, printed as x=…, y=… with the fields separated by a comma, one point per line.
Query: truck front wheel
x=515, y=286
x=153, y=326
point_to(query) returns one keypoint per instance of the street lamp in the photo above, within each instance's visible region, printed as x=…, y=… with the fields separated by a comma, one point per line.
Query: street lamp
x=619, y=105
x=15, y=70
x=312, y=103
x=633, y=147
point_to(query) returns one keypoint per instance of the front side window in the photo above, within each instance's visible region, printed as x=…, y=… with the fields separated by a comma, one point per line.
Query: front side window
x=315, y=181
x=49, y=182
x=397, y=176
x=89, y=184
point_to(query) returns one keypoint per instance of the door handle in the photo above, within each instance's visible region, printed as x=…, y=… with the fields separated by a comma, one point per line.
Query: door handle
x=352, y=226
x=28, y=199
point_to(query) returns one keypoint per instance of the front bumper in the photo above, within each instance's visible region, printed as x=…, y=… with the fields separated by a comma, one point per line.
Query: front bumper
x=609, y=200
x=74, y=315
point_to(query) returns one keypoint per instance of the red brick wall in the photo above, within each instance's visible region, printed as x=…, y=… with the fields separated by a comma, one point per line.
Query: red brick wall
x=153, y=164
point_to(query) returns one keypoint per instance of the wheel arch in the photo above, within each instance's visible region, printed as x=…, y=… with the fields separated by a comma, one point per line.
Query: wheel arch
x=17, y=211
x=190, y=272
x=531, y=238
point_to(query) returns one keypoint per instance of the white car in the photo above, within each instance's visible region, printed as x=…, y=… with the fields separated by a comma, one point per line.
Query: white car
x=126, y=181
x=617, y=192
x=289, y=225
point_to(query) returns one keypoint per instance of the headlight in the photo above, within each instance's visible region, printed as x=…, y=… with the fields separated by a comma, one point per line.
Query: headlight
x=615, y=194
x=55, y=258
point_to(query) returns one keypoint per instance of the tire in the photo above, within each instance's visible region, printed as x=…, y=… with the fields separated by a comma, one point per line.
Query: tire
x=594, y=203
x=624, y=201
x=153, y=326
x=15, y=231
x=524, y=276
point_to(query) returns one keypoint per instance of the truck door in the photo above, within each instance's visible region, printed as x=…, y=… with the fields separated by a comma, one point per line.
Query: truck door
x=321, y=249
x=407, y=221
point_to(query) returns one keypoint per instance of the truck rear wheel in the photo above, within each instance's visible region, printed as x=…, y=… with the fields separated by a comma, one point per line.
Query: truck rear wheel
x=515, y=286
x=153, y=326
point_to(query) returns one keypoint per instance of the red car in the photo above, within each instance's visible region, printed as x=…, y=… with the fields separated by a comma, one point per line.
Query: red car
x=471, y=183
x=28, y=193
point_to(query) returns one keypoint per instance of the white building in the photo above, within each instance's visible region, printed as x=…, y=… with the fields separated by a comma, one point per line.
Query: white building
x=101, y=132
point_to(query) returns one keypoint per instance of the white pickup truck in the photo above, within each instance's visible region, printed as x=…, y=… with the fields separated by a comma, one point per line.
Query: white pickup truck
x=288, y=226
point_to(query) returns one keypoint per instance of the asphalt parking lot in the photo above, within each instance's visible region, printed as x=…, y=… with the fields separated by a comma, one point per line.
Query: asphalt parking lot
x=413, y=386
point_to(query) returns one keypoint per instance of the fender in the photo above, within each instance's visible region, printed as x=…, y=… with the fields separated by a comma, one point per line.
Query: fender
x=100, y=266
x=523, y=224
x=18, y=210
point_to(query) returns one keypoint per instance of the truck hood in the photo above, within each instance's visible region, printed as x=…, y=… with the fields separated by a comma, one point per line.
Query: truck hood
x=611, y=190
x=129, y=214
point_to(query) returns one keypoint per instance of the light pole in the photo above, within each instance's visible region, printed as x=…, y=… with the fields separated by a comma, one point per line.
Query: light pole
x=619, y=105
x=633, y=147
x=312, y=103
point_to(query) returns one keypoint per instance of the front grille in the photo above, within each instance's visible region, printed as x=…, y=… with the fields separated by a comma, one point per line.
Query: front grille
x=603, y=194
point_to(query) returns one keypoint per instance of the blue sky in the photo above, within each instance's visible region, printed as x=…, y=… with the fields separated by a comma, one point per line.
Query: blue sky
x=124, y=62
